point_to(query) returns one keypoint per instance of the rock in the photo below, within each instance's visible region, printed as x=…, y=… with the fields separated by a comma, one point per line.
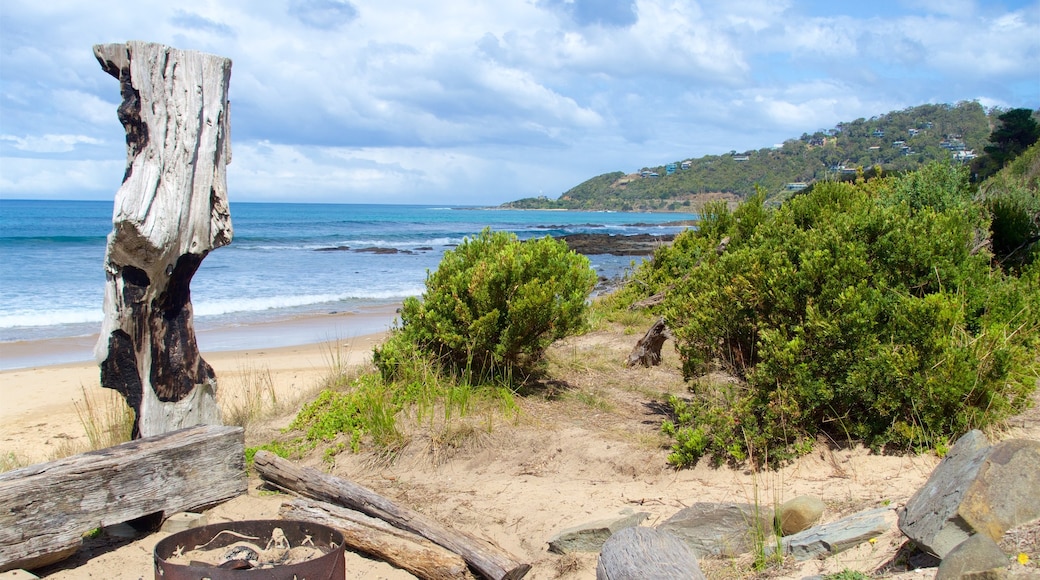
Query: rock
x=720, y=529
x=589, y=537
x=181, y=521
x=837, y=536
x=931, y=517
x=616, y=244
x=170, y=212
x=799, y=514
x=1006, y=491
x=647, y=554
x=976, y=488
x=979, y=553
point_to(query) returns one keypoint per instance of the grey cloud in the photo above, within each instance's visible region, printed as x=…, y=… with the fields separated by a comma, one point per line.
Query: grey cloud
x=192, y=21
x=323, y=14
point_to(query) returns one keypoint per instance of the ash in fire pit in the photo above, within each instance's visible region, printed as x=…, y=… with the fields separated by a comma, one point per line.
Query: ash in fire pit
x=273, y=548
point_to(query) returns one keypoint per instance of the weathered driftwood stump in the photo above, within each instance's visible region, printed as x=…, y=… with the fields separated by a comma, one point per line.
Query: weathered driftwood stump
x=647, y=351
x=170, y=211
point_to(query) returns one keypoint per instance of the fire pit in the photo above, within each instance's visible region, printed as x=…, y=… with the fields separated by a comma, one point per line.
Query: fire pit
x=257, y=549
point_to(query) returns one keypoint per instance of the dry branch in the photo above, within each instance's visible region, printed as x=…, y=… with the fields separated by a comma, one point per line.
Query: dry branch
x=486, y=558
x=373, y=536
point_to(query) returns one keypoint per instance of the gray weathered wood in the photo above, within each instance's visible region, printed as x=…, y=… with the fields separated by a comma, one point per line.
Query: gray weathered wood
x=647, y=351
x=373, y=536
x=46, y=508
x=486, y=558
x=646, y=554
x=170, y=212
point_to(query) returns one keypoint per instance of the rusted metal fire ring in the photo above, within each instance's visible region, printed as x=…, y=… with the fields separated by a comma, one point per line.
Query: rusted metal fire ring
x=330, y=566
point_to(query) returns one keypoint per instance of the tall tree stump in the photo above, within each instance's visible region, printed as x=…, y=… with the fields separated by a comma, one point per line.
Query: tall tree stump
x=170, y=211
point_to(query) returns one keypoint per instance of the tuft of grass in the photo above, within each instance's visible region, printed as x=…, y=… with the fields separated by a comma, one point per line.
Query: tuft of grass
x=847, y=575
x=10, y=460
x=253, y=401
x=106, y=418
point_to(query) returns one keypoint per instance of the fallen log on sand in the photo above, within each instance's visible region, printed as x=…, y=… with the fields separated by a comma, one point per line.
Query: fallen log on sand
x=374, y=537
x=484, y=557
x=46, y=508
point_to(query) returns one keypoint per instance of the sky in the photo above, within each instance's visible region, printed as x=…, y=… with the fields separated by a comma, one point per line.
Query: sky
x=482, y=102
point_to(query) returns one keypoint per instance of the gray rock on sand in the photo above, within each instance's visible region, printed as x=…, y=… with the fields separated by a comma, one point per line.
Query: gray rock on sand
x=719, y=529
x=837, y=536
x=1006, y=491
x=978, y=553
x=589, y=537
x=647, y=554
x=931, y=517
x=977, y=488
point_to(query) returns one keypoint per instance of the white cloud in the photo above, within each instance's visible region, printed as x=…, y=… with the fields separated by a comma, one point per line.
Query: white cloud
x=415, y=99
x=59, y=178
x=49, y=143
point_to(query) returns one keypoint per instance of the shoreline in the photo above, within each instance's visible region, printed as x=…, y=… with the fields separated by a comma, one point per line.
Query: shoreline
x=41, y=416
x=308, y=329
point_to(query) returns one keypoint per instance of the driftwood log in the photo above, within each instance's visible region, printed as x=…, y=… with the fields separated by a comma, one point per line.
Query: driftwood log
x=646, y=553
x=170, y=211
x=46, y=508
x=486, y=558
x=647, y=351
x=405, y=550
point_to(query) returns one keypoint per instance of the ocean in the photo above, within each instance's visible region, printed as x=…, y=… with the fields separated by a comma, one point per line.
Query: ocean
x=286, y=260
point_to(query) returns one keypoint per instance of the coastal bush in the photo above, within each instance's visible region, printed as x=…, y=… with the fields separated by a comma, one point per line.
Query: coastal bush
x=1014, y=205
x=865, y=312
x=492, y=307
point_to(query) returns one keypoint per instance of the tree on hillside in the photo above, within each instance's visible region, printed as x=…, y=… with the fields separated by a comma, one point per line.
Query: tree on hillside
x=1018, y=130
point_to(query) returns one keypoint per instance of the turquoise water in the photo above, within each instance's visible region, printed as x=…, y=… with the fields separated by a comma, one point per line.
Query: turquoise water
x=286, y=259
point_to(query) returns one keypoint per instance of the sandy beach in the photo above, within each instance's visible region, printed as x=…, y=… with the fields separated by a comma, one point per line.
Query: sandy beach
x=587, y=452
x=39, y=418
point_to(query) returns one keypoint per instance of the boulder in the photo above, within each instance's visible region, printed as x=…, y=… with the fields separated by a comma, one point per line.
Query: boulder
x=977, y=554
x=1006, y=492
x=977, y=488
x=719, y=529
x=589, y=537
x=931, y=517
x=799, y=514
x=647, y=554
x=837, y=536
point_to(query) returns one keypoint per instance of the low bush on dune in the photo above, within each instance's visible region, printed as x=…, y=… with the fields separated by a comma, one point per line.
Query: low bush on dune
x=491, y=308
x=871, y=312
x=489, y=311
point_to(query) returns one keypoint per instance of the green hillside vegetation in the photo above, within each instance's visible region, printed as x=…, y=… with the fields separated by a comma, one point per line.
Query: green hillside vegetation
x=895, y=142
x=899, y=311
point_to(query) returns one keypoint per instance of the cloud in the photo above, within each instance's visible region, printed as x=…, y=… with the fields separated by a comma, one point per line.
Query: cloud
x=59, y=178
x=192, y=21
x=323, y=14
x=465, y=100
x=49, y=143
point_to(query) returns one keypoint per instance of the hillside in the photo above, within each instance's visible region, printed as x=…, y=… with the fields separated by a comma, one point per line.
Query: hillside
x=896, y=141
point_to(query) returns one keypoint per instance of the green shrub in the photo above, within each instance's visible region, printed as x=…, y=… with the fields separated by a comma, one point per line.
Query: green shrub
x=860, y=311
x=492, y=306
